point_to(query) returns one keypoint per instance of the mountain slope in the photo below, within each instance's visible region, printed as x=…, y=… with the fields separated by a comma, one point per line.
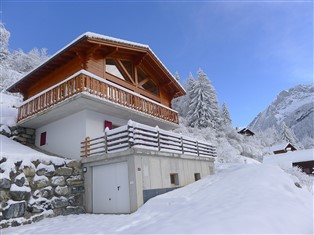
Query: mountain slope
x=294, y=107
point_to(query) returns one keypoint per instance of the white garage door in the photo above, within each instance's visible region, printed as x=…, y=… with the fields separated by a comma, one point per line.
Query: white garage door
x=111, y=188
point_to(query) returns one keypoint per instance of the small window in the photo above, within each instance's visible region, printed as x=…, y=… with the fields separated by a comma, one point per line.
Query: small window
x=43, y=137
x=174, y=179
x=108, y=124
x=197, y=176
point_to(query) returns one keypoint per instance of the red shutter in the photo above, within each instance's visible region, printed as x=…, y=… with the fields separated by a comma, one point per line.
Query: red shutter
x=43, y=138
x=108, y=124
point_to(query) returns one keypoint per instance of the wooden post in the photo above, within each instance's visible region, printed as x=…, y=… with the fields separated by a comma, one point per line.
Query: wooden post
x=86, y=147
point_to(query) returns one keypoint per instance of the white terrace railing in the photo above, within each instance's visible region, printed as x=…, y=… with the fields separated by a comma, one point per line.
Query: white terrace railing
x=136, y=135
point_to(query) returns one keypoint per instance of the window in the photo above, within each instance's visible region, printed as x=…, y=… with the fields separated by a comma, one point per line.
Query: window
x=43, y=136
x=145, y=81
x=113, y=69
x=197, y=176
x=108, y=124
x=174, y=179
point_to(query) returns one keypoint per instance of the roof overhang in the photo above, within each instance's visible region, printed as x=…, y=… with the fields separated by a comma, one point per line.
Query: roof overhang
x=85, y=41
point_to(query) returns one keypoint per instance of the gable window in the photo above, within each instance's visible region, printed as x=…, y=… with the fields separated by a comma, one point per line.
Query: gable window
x=145, y=82
x=43, y=137
x=174, y=179
x=113, y=68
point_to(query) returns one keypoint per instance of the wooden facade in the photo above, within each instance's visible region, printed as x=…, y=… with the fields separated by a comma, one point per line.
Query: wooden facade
x=131, y=66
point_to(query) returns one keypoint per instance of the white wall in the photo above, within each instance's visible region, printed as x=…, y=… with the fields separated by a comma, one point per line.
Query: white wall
x=95, y=123
x=64, y=136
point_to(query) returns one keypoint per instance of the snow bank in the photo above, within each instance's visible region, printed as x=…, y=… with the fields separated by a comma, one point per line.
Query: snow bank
x=8, y=110
x=286, y=159
x=243, y=199
x=15, y=151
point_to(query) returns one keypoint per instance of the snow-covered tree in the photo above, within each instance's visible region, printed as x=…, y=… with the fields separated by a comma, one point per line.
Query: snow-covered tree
x=225, y=115
x=177, y=76
x=4, y=41
x=288, y=135
x=16, y=63
x=181, y=104
x=203, y=107
x=200, y=113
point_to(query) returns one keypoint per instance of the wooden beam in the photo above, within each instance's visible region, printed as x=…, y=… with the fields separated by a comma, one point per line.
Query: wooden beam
x=111, y=52
x=144, y=81
x=140, y=59
x=124, y=70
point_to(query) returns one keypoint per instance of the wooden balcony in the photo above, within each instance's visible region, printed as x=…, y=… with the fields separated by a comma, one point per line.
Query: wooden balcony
x=136, y=135
x=83, y=82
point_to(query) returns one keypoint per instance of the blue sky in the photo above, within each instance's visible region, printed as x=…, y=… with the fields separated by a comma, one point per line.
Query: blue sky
x=250, y=50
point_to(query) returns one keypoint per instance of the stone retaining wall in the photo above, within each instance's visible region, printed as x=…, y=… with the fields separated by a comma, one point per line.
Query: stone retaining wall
x=33, y=190
x=20, y=134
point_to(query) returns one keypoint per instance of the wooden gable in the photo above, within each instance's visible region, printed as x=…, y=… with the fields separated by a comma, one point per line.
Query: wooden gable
x=133, y=66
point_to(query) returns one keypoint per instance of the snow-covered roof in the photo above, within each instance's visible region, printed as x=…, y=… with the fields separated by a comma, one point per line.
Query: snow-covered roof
x=276, y=147
x=105, y=38
x=286, y=159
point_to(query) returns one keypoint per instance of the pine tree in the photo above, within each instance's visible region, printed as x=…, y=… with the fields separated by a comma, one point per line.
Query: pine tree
x=288, y=135
x=200, y=113
x=14, y=64
x=4, y=42
x=225, y=115
x=213, y=105
x=177, y=76
x=181, y=103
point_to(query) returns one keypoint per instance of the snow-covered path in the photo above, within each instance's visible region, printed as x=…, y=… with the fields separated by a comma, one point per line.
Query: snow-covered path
x=244, y=199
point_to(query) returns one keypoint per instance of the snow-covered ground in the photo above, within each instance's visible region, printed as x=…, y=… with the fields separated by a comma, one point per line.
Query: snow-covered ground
x=8, y=110
x=286, y=159
x=240, y=198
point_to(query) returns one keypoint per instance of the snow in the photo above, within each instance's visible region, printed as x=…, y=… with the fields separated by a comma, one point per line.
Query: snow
x=11, y=150
x=239, y=199
x=286, y=159
x=16, y=188
x=8, y=104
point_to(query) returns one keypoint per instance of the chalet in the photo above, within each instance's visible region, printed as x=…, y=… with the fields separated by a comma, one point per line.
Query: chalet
x=304, y=159
x=81, y=101
x=246, y=132
x=282, y=148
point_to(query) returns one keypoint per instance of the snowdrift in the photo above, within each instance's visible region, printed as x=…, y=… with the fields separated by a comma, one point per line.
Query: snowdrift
x=242, y=199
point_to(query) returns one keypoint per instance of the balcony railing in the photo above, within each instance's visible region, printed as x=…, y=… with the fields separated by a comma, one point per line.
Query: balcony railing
x=136, y=135
x=88, y=83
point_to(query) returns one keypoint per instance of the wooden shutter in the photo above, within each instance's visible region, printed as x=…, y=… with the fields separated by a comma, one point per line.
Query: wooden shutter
x=108, y=124
x=43, y=136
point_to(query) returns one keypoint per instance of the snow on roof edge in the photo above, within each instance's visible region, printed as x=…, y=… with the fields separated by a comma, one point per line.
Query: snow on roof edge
x=97, y=36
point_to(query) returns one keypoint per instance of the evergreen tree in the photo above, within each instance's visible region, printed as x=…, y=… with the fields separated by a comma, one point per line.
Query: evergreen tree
x=14, y=64
x=181, y=103
x=288, y=135
x=225, y=115
x=4, y=42
x=177, y=76
x=200, y=113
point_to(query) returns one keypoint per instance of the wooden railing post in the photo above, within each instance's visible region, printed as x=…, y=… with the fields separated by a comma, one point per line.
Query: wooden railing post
x=86, y=146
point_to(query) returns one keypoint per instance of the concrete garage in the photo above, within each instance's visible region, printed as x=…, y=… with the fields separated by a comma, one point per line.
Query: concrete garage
x=121, y=182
